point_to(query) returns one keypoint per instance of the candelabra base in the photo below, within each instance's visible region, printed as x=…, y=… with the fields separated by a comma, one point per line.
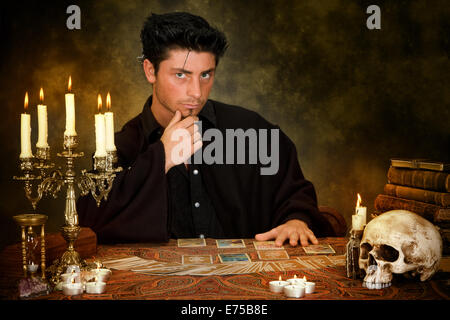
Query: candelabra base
x=70, y=257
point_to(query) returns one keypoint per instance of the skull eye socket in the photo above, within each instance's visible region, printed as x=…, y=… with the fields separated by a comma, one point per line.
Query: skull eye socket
x=387, y=253
x=365, y=249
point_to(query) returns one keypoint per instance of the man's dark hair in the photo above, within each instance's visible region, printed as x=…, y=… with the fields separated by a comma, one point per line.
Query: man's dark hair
x=163, y=32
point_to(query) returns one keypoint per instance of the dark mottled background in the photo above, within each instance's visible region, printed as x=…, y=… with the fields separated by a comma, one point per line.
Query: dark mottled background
x=349, y=98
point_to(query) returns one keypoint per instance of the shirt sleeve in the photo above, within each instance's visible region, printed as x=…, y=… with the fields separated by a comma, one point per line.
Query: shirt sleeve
x=137, y=205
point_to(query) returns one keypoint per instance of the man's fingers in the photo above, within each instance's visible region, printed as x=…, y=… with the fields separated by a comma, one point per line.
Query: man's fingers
x=293, y=239
x=267, y=235
x=281, y=238
x=176, y=118
x=312, y=237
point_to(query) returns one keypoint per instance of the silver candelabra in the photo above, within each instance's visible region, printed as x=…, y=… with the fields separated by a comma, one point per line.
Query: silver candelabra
x=37, y=173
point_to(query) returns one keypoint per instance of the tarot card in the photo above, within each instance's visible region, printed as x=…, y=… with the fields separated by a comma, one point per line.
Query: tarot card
x=233, y=257
x=230, y=243
x=191, y=242
x=197, y=259
x=319, y=249
x=273, y=255
x=266, y=245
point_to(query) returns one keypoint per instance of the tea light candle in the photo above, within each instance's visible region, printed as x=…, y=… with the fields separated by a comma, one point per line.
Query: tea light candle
x=95, y=287
x=310, y=287
x=72, y=277
x=296, y=281
x=294, y=291
x=73, y=268
x=277, y=286
x=32, y=267
x=72, y=289
x=102, y=274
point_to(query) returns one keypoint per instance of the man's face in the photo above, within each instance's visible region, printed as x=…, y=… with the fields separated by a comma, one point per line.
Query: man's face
x=183, y=82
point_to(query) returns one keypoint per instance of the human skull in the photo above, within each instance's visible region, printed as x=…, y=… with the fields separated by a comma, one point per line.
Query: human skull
x=399, y=242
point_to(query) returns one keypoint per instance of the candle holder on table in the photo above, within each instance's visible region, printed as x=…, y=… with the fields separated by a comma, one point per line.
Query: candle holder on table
x=352, y=254
x=98, y=182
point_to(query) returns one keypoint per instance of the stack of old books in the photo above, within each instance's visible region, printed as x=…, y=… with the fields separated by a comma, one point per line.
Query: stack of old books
x=420, y=186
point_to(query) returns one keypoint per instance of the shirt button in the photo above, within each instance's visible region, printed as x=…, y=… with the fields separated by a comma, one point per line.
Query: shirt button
x=195, y=172
x=197, y=204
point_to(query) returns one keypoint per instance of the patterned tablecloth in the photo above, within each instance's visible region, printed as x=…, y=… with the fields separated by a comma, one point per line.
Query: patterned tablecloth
x=156, y=272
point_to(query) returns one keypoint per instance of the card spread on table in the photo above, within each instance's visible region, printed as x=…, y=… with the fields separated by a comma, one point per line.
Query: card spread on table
x=197, y=259
x=266, y=245
x=233, y=257
x=230, y=243
x=191, y=242
x=319, y=249
x=273, y=255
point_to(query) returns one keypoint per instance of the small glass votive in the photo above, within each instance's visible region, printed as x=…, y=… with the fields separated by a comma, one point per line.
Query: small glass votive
x=95, y=287
x=294, y=291
x=72, y=289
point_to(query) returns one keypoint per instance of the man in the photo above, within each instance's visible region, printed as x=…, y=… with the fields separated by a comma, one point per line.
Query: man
x=163, y=193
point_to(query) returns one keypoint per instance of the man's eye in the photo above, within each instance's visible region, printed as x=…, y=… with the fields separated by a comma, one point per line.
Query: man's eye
x=180, y=75
x=205, y=76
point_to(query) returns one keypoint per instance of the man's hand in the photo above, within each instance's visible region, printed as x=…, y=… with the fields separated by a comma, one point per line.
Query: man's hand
x=182, y=135
x=293, y=230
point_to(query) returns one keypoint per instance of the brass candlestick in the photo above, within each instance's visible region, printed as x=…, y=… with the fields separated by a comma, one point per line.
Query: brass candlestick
x=98, y=182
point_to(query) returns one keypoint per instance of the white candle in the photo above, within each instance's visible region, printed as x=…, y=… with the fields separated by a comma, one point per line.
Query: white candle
x=103, y=274
x=32, y=267
x=70, y=112
x=73, y=268
x=71, y=277
x=25, y=132
x=357, y=222
x=109, y=125
x=294, y=291
x=95, y=287
x=310, y=287
x=361, y=211
x=42, y=122
x=71, y=289
x=100, y=144
x=277, y=286
x=296, y=281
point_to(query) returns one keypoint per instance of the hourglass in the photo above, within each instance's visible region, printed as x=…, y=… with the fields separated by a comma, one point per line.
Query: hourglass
x=30, y=243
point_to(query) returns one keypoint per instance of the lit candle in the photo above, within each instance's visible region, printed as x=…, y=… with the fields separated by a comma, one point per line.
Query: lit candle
x=357, y=222
x=32, y=267
x=296, y=281
x=277, y=286
x=73, y=268
x=100, y=150
x=95, y=287
x=102, y=273
x=25, y=132
x=294, y=291
x=73, y=288
x=109, y=125
x=70, y=111
x=72, y=277
x=361, y=211
x=310, y=287
x=42, y=122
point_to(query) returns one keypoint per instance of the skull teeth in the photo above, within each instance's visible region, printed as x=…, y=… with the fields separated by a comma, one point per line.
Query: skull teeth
x=375, y=285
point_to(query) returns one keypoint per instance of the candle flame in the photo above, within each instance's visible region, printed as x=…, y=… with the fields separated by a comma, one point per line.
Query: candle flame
x=99, y=102
x=108, y=101
x=41, y=95
x=295, y=276
x=73, y=280
x=304, y=278
x=69, y=86
x=358, y=202
x=279, y=278
x=25, y=104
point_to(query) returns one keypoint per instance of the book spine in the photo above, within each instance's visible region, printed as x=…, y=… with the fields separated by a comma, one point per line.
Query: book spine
x=430, y=180
x=434, y=197
x=428, y=211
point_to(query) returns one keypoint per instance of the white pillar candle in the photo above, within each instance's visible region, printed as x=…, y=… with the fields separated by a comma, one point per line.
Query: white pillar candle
x=362, y=211
x=25, y=132
x=109, y=125
x=42, y=122
x=357, y=222
x=310, y=287
x=100, y=139
x=70, y=112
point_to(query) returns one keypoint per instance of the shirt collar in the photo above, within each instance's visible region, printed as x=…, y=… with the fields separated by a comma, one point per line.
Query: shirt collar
x=151, y=125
